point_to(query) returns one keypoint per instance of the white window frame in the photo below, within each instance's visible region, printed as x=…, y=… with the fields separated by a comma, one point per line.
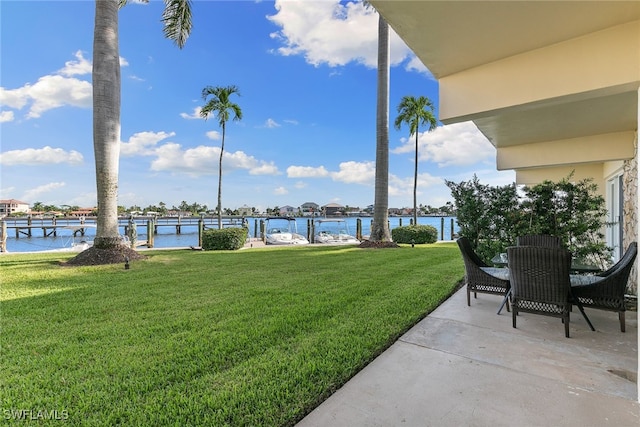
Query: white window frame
x=615, y=218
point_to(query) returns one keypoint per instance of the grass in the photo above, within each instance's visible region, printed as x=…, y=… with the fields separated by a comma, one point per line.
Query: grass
x=245, y=338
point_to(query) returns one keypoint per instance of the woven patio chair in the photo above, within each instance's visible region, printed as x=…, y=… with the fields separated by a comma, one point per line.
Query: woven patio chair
x=540, y=282
x=608, y=289
x=478, y=280
x=544, y=240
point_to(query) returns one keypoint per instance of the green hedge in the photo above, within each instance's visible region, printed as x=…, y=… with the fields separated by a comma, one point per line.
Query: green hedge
x=417, y=234
x=224, y=239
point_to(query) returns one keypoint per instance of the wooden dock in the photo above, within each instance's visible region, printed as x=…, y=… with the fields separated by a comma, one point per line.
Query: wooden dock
x=50, y=226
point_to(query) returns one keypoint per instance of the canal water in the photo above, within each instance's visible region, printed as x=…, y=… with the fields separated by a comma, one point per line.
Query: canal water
x=167, y=237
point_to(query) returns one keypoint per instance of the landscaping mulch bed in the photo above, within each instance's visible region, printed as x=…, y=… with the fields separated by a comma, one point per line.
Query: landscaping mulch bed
x=95, y=256
x=378, y=245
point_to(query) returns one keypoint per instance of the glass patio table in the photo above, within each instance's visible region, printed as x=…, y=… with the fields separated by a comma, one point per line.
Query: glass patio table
x=574, y=279
x=577, y=267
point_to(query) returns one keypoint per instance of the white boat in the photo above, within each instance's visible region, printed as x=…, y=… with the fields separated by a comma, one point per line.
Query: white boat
x=283, y=231
x=75, y=241
x=333, y=231
x=78, y=240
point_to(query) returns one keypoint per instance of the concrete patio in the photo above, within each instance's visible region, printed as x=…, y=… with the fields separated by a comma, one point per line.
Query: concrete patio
x=467, y=366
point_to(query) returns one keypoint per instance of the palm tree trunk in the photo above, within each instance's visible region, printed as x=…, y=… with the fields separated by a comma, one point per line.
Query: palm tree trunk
x=219, y=209
x=415, y=185
x=106, y=121
x=380, y=227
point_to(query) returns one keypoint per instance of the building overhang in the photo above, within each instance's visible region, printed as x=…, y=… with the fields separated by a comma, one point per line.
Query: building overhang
x=529, y=72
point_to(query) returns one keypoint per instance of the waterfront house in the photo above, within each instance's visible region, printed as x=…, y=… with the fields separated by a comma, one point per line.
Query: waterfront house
x=332, y=209
x=10, y=206
x=287, y=210
x=83, y=212
x=310, y=209
x=245, y=210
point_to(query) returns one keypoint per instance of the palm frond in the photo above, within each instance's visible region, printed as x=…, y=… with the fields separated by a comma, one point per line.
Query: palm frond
x=176, y=18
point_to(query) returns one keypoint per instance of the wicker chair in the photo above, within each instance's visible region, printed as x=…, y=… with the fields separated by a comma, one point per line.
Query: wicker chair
x=607, y=292
x=478, y=280
x=544, y=240
x=540, y=282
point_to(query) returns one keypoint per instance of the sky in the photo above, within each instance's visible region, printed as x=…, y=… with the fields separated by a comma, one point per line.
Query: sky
x=306, y=73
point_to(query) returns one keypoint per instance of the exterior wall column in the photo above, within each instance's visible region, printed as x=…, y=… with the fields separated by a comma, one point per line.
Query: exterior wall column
x=637, y=200
x=630, y=209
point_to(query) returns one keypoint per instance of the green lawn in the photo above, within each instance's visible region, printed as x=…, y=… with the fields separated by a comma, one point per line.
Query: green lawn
x=255, y=337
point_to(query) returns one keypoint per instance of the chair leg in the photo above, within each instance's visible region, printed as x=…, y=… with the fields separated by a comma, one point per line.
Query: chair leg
x=514, y=313
x=505, y=301
x=468, y=296
x=566, y=325
x=581, y=308
x=621, y=318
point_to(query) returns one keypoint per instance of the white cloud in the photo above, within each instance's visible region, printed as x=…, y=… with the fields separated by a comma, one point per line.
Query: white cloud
x=51, y=92
x=81, y=66
x=270, y=123
x=42, y=190
x=194, y=115
x=349, y=172
x=203, y=160
x=40, y=156
x=14, y=98
x=6, y=191
x=214, y=135
x=415, y=64
x=460, y=144
x=6, y=116
x=264, y=168
x=54, y=90
x=280, y=191
x=356, y=173
x=143, y=143
x=404, y=186
x=307, y=172
x=332, y=33
x=48, y=92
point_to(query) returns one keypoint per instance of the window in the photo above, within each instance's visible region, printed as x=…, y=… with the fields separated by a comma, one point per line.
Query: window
x=615, y=218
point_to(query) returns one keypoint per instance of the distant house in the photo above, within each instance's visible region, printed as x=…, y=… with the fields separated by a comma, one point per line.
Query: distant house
x=333, y=209
x=245, y=210
x=7, y=207
x=287, y=210
x=352, y=210
x=83, y=212
x=310, y=209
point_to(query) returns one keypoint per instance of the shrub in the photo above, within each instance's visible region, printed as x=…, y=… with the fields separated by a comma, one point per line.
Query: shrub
x=493, y=217
x=415, y=234
x=224, y=239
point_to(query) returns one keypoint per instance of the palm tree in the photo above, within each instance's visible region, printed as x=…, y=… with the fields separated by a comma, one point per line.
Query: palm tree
x=415, y=112
x=221, y=106
x=106, y=104
x=380, y=226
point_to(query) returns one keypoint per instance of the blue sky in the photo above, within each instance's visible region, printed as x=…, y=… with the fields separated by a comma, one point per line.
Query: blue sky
x=306, y=71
